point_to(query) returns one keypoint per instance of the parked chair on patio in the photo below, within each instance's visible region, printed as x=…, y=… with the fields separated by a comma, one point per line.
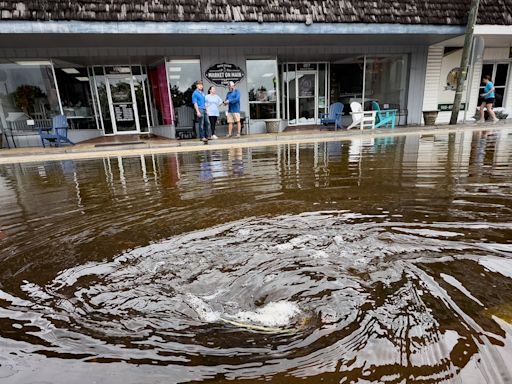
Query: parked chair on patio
x=401, y=115
x=3, y=133
x=384, y=117
x=363, y=119
x=334, y=115
x=20, y=125
x=57, y=134
x=185, y=122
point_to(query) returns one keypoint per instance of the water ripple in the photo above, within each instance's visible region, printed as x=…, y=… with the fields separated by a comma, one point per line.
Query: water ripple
x=308, y=293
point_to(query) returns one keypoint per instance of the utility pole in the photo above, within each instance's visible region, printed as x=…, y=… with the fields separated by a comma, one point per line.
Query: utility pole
x=468, y=38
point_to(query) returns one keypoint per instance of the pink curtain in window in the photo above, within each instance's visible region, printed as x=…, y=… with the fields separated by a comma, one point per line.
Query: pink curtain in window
x=159, y=87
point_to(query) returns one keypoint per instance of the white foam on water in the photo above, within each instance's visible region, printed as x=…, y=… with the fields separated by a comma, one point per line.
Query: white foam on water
x=244, y=232
x=319, y=254
x=273, y=314
x=269, y=278
x=204, y=311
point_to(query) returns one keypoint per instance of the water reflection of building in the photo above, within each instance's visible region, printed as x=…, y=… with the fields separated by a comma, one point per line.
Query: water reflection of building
x=502, y=150
x=416, y=161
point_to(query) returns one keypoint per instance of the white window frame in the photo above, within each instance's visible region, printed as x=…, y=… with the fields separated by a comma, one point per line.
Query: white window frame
x=505, y=87
x=278, y=93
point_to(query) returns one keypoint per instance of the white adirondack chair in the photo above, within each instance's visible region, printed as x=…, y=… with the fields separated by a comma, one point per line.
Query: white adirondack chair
x=363, y=119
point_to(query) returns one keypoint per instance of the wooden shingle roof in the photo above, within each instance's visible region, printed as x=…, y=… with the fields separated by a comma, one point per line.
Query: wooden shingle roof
x=446, y=12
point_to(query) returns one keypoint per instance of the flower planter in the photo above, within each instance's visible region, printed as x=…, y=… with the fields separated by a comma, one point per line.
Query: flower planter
x=273, y=125
x=430, y=117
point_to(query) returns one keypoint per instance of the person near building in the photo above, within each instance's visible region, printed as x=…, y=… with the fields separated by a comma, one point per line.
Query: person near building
x=233, y=115
x=199, y=102
x=213, y=102
x=489, y=97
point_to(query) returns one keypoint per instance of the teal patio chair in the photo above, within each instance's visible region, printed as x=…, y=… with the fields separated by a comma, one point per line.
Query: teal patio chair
x=384, y=117
x=57, y=134
x=334, y=115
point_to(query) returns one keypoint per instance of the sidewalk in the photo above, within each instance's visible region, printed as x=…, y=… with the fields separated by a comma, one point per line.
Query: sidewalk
x=153, y=146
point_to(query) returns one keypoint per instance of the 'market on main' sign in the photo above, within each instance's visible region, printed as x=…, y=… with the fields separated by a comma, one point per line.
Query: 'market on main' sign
x=222, y=74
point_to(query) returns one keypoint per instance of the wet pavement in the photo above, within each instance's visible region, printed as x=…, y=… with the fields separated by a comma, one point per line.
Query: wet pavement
x=375, y=260
x=131, y=145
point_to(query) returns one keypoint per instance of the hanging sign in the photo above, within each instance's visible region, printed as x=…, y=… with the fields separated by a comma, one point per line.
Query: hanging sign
x=222, y=74
x=307, y=85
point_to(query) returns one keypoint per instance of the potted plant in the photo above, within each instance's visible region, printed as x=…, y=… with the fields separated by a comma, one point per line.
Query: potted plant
x=430, y=117
x=273, y=125
x=25, y=97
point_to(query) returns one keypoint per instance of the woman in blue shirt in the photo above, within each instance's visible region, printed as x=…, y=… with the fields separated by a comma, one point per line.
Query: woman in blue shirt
x=213, y=101
x=488, y=101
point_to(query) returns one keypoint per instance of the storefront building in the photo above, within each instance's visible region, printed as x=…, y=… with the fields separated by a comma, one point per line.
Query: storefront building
x=123, y=68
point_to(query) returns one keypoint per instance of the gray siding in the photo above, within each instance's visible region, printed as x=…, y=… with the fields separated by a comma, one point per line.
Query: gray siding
x=256, y=48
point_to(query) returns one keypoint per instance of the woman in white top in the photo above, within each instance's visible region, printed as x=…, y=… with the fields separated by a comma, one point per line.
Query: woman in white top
x=213, y=101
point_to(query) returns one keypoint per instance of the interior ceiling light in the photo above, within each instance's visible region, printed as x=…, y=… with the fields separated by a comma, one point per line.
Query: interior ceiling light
x=71, y=71
x=33, y=62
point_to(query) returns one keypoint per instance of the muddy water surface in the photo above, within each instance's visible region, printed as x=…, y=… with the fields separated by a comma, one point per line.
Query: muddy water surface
x=374, y=261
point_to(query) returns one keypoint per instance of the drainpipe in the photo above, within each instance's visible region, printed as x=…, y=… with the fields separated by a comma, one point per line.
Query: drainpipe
x=468, y=39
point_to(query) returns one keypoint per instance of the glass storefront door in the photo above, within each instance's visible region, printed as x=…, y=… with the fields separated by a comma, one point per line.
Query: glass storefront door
x=121, y=96
x=307, y=96
x=123, y=104
x=305, y=92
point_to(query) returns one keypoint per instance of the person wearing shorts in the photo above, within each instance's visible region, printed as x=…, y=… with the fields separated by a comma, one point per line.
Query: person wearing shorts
x=233, y=115
x=489, y=98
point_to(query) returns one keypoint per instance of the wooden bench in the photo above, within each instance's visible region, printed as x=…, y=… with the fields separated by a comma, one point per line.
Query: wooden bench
x=24, y=128
x=190, y=131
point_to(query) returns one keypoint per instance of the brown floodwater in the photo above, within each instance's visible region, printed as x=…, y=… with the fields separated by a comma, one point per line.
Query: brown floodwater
x=371, y=261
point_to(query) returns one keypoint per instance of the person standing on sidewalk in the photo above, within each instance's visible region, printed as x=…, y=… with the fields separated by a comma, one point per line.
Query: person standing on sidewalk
x=213, y=101
x=233, y=102
x=488, y=101
x=199, y=102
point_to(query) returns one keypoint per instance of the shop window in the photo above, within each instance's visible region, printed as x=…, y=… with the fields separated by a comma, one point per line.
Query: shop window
x=322, y=90
x=103, y=102
x=76, y=96
x=27, y=92
x=262, y=83
x=499, y=76
x=346, y=81
x=140, y=83
x=386, y=82
x=182, y=75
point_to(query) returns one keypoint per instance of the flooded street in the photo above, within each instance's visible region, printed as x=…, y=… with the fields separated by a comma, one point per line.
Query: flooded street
x=385, y=260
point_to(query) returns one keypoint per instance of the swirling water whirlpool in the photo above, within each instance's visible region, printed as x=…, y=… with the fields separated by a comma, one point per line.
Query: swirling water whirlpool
x=314, y=293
